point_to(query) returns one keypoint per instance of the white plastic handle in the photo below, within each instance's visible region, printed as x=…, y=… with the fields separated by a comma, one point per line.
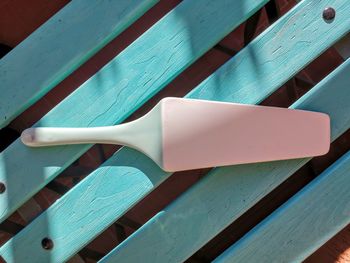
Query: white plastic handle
x=59, y=136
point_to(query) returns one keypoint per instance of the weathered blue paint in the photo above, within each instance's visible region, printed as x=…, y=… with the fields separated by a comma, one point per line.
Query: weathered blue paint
x=220, y=86
x=60, y=46
x=122, y=86
x=226, y=193
x=119, y=88
x=303, y=224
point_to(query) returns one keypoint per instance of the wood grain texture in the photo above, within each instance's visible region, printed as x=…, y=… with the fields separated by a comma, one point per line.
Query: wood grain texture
x=235, y=71
x=118, y=89
x=226, y=193
x=59, y=47
x=82, y=212
x=301, y=225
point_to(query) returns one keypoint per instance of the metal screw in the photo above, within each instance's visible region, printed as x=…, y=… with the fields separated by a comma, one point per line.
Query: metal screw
x=47, y=243
x=2, y=188
x=328, y=13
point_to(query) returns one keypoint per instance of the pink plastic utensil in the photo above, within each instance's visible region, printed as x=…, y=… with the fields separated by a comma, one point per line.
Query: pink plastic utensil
x=183, y=134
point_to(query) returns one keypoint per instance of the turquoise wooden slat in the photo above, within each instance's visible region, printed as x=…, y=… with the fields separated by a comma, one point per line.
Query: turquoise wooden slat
x=303, y=224
x=226, y=193
x=81, y=214
x=59, y=47
x=220, y=86
x=119, y=88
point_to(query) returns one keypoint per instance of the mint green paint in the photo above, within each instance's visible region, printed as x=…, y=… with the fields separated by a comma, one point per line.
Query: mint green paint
x=236, y=81
x=60, y=46
x=303, y=224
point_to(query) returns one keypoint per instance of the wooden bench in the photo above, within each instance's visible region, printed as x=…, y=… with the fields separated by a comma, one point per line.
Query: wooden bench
x=132, y=78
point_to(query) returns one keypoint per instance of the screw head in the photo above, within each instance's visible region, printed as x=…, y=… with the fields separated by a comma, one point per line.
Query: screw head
x=2, y=188
x=328, y=13
x=47, y=243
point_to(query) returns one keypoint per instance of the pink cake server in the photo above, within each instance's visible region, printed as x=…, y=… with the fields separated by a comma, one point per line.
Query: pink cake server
x=183, y=134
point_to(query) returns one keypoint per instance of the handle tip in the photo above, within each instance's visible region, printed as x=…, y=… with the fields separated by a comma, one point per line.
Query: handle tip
x=27, y=137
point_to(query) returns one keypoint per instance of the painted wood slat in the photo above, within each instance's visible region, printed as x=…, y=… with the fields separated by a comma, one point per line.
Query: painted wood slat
x=303, y=224
x=118, y=89
x=82, y=213
x=146, y=174
x=227, y=192
x=342, y=46
x=59, y=47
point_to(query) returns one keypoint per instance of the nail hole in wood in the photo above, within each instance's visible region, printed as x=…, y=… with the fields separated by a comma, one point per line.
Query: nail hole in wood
x=2, y=188
x=47, y=243
x=328, y=14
